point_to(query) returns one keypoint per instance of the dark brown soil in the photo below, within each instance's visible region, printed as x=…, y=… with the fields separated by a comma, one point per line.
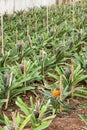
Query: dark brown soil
x=68, y=121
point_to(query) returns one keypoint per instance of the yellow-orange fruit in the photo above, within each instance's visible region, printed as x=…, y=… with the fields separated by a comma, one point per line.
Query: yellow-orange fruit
x=56, y=93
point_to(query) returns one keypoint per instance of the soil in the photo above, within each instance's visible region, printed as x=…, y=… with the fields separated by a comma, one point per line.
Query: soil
x=67, y=121
x=70, y=120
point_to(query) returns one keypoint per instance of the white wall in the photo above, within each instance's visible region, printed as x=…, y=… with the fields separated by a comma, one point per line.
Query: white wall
x=10, y=5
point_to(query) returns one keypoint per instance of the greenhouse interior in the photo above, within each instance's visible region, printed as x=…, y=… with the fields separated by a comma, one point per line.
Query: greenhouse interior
x=43, y=64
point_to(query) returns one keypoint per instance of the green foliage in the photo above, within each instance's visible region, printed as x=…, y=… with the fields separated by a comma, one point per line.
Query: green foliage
x=85, y=121
x=18, y=79
x=47, y=54
x=18, y=124
x=55, y=103
x=83, y=117
x=38, y=113
x=67, y=81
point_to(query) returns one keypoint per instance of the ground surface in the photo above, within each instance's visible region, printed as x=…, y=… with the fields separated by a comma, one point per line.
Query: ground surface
x=68, y=121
